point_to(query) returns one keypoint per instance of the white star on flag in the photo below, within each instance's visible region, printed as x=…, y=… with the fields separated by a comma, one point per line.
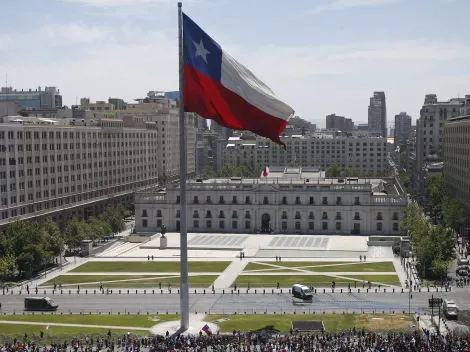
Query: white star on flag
x=201, y=51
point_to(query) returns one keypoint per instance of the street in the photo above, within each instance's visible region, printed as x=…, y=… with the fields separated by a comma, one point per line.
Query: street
x=237, y=303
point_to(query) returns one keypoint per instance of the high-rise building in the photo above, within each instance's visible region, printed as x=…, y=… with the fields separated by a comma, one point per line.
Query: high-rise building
x=456, y=155
x=68, y=167
x=377, y=114
x=119, y=104
x=222, y=132
x=402, y=130
x=367, y=155
x=335, y=122
x=339, y=123
x=9, y=108
x=164, y=112
x=39, y=99
x=61, y=170
x=297, y=123
x=430, y=132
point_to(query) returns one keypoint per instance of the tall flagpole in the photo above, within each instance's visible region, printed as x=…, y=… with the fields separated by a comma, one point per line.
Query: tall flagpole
x=184, y=290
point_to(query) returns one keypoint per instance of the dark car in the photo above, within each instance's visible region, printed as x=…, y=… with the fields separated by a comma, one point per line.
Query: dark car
x=39, y=304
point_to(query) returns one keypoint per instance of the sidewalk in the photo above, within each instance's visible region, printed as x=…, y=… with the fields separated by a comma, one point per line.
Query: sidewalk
x=230, y=274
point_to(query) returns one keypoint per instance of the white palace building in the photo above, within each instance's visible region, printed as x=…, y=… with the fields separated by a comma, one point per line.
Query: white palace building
x=290, y=200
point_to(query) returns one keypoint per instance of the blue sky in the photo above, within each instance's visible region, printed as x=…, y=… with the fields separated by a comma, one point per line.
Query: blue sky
x=320, y=56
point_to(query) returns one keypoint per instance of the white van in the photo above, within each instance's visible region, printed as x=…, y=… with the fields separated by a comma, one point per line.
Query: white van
x=302, y=292
x=450, y=309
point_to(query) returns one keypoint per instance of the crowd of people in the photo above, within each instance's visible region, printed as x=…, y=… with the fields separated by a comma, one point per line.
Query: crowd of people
x=352, y=340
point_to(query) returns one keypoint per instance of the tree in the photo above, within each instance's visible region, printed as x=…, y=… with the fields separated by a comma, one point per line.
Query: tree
x=73, y=234
x=229, y=170
x=333, y=170
x=445, y=242
x=209, y=172
x=7, y=267
x=404, y=178
x=349, y=172
x=451, y=211
x=412, y=212
x=114, y=216
x=54, y=240
x=433, y=246
x=99, y=228
x=437, y=190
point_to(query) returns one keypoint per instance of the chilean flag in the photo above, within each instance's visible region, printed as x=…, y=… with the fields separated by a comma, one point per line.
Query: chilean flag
x=218, y=87
x=265, y=172
x=207, y=330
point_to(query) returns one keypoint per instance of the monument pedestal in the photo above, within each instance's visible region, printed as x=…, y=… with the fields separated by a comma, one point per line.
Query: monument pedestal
x=163, y=242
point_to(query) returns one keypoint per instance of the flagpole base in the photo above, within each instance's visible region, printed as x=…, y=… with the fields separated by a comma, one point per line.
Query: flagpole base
x=195, y=326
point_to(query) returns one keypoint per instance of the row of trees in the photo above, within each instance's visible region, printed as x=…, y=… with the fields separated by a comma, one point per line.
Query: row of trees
x=26, y=246
x=335, y=171
x=442, y=202
x=433, y=246
x=229, y=170
x=110, y=222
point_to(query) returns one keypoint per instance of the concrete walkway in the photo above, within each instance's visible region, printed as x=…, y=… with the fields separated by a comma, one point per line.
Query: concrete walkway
x=327, y=273
x=196, y=323
x=73, y=325
x=231, y=273
x=137, y=273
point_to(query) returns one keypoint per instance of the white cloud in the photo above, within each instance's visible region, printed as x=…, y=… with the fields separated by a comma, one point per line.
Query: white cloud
x=118, y=3
x=131, y=3
x=54, y=36
x=337, y=5
x=99, y=62
x=73, y=33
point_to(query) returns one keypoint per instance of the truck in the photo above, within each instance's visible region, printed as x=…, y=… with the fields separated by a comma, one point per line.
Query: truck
x=302, y=292
x=39, y=304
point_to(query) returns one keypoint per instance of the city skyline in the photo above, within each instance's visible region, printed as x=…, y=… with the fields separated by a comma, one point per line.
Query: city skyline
x=121, y=48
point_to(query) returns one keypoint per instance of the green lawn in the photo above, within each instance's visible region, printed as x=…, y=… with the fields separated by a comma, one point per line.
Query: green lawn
x=364, y=267
x=92, y=281
x=79, y=279
x=315, y=280
x=139, y=321
x=150, y=267
x=262, y=265
x=325, y=266
x=386, y=279
x=332, y=322
x=18, y=330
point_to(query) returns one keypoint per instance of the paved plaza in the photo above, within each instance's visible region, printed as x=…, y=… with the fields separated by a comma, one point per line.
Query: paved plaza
x=269, y=252
x=132, y=278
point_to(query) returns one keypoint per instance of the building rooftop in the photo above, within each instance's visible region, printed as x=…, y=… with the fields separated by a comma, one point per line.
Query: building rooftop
x=377, y=186
x=459, y=119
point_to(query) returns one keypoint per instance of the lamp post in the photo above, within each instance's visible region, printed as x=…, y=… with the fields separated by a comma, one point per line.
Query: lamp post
x=411, y=287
